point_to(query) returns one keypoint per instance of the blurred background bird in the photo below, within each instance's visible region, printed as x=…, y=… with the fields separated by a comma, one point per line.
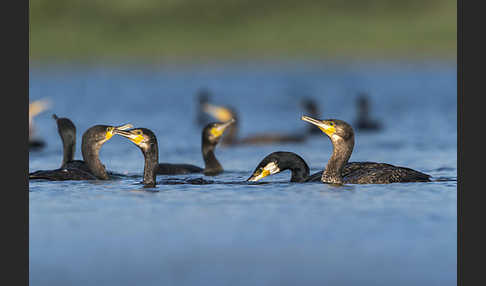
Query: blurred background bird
x=35, y=108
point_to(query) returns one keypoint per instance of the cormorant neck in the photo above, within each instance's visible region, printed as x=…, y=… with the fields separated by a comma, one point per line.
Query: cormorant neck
x=90, y=151
x=297, y=166
x=211, y=164
x=68, y=149
x=299, y=173
x=151, y=164
x=341, y=153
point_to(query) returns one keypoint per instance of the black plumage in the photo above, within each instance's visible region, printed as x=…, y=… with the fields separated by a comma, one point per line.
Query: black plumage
x=210, y=138
x=338, y=170
x=90, y=168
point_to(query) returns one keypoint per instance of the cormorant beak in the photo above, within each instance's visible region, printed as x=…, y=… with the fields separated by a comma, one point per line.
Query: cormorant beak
x=133, y=135
x=218, y=112
x=259, y=174
x=113, y=129
x=270, y=169
x=327, y=126
x=124, y=127
x=218, y=130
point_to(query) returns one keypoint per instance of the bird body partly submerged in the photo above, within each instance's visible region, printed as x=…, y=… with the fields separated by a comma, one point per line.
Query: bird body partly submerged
x=352, y=172
x=338, y=170
x=63, y=174
x=76, y=170
x=175, y=169
x=210, y=138
x=91, y=167
x=375, y=173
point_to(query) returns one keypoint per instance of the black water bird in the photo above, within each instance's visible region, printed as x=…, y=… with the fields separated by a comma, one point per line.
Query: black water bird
x=90, y=168
x=363, y=121
x=146, y=141
x=223, y=113
x=210, y=138
x=338, y=170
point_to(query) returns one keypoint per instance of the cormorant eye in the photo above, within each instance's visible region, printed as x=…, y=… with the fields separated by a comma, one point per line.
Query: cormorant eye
x=331, y=123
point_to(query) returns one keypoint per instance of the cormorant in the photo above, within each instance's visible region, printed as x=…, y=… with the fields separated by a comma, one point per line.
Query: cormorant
x=364, y=122
x=90, y=168
x=211, y=135
x=337, y=170
x=231, y=138
x=146, y=140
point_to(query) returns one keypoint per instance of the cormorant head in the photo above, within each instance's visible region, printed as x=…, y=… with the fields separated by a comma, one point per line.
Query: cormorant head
x=214, y=131
x=279, y=161
x=268, y=166
x=334, y=128
x=221, y=113
x=102, y=133
x=144, y=138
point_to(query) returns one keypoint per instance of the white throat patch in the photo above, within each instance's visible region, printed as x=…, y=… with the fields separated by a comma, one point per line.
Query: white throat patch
x=272, y=168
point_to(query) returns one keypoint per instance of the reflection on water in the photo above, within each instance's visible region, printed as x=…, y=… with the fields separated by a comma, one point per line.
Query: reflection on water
x=222, y=230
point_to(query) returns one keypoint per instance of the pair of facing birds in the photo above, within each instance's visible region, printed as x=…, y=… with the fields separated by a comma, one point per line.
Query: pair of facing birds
x=337, y=171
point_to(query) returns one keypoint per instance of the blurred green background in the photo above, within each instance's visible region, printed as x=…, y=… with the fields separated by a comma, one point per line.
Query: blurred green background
x=168, y=30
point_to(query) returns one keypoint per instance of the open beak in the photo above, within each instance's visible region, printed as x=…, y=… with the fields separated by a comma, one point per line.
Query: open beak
x=218, y=112
x=324, y=125
x=124, y=127
x=135, y=138
x=114, y=129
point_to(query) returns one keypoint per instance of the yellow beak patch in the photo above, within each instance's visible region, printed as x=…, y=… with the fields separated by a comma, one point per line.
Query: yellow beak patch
x=260, y=174
x=109, y=133
x=137, y=139
x=216, y=132
x=329, y=130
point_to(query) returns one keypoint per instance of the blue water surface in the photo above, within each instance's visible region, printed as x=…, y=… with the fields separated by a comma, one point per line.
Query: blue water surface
x=275, y=233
